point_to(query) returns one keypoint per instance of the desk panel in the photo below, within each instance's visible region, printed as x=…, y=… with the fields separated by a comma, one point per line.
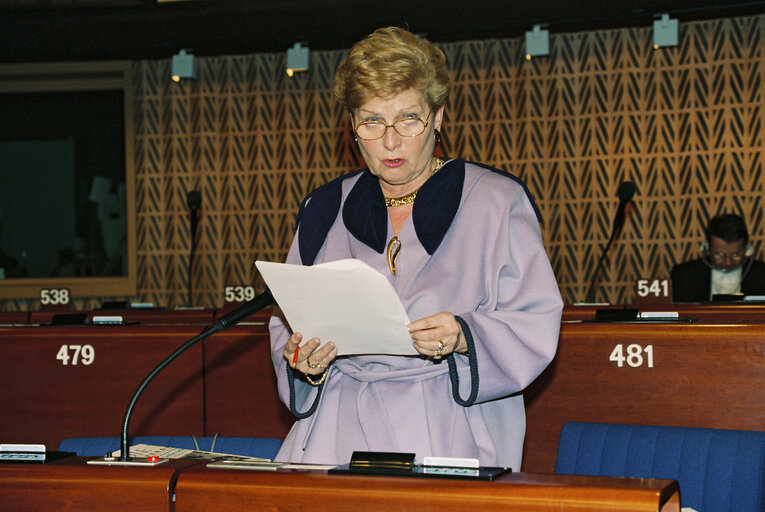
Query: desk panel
x=702, y=375
x=143, y=316
x=709, y=312
x=240, y=387
x=45, y=400
x=71, y=484
x=200, y=489
x=14, y=317
x=153, y=316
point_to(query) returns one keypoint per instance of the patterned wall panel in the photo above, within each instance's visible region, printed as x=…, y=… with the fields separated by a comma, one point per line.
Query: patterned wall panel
x=683, y=123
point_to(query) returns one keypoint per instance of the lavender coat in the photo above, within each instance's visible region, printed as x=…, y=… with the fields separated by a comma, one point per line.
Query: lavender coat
x=472, y=246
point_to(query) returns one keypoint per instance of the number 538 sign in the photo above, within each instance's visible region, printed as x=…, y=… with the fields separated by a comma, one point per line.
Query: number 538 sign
x=654, y=290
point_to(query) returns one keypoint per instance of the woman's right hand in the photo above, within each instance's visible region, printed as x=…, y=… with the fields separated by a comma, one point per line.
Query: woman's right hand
x=311, y=358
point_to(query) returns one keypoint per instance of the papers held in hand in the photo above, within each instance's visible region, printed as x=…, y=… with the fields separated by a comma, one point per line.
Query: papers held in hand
x=344, y=301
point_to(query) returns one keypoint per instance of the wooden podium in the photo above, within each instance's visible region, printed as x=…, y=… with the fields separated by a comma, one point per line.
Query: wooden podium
x=188, y=485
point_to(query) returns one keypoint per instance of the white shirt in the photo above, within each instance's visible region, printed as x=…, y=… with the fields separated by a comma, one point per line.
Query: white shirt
x=725, y=282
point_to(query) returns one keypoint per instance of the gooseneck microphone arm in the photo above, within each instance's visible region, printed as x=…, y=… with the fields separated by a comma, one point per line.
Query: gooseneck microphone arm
x=193, y=201
x=625, y=192
x=230, y=319
x=594, y=280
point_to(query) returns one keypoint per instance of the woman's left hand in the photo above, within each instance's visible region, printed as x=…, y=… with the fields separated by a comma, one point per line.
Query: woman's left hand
x=437, y=335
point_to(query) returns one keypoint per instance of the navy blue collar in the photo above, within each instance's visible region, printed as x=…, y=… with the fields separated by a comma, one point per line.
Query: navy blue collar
x=366, y=217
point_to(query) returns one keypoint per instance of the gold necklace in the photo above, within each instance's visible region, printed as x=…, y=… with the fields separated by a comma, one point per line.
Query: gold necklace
x=401, y=201
x=394, y=246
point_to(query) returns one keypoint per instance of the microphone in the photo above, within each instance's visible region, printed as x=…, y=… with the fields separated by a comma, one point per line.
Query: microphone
x=193, y=201
x=230, y=319
x=625, y=192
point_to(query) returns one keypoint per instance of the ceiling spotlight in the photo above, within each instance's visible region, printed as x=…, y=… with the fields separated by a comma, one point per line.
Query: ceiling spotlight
x=297, y=59
x=665, y=32
x=537, y=42
x=184, y=66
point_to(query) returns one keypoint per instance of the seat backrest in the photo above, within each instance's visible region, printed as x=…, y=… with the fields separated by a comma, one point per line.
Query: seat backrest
x=263, y=447
x=717, y=470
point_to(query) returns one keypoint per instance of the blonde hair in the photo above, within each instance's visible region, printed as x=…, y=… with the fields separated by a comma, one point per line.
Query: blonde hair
x=390, y=61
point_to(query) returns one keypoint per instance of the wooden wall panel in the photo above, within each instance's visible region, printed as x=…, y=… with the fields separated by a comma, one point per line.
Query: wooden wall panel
x=684, y=123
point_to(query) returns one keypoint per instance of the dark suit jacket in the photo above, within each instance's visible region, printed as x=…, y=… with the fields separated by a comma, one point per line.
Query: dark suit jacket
x=691, y=281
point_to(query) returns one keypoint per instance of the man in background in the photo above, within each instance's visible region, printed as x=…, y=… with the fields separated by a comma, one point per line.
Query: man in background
x=726, y=265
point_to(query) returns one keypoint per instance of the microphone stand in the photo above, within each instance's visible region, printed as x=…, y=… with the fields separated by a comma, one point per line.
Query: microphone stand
x=617, y=228
x=591, y=290
x=193, y=201
x=230, y=319
x=625, y=192
x=193, y=236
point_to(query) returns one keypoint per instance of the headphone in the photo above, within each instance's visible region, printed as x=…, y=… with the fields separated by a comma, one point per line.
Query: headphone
x=749, y=251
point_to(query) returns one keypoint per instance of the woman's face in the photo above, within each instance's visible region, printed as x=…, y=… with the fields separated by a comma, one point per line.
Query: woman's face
x=402, y=164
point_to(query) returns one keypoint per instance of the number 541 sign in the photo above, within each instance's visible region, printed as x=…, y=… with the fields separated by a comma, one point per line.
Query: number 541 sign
x=654, y=290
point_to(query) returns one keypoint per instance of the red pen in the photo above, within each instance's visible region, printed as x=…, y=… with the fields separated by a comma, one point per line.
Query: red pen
x=294, y=358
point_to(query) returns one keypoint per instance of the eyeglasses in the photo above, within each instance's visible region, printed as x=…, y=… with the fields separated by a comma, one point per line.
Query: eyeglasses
x=735, y=256
x=410, y=125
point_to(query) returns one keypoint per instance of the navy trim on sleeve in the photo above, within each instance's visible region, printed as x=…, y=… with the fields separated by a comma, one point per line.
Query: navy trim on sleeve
x=293, y=407
x=473, y=362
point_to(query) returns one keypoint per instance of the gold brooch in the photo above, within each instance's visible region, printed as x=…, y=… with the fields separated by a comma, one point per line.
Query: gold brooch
x=394, y=247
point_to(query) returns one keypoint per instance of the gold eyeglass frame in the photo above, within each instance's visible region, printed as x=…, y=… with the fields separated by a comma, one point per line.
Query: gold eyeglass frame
x=425, y=122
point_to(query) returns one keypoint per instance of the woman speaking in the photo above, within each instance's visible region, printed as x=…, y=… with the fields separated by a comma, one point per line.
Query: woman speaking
x=461, y=245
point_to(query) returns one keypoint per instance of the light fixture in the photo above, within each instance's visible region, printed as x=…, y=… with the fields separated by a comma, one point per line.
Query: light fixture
x=665, y=32
x=184, y=66
x=297, y=59
x=537, y=42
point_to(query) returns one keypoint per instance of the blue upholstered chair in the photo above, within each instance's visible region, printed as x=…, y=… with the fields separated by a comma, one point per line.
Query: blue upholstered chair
x=264, y=447
x=718, y=470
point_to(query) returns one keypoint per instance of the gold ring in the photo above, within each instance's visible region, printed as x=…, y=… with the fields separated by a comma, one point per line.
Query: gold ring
x=310, y=364
x=438, y=354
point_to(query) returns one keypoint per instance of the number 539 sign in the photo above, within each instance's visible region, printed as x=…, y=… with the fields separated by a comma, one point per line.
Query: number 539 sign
x=654, y=290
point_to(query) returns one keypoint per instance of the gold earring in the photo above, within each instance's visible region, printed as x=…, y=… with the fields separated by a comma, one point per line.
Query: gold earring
x=437, y=136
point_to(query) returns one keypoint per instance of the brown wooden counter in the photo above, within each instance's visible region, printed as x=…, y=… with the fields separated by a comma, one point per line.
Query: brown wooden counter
x=183, y=485
x=702, y=375
x=71, y=484
x=202, y=489
x=713, y=312
x=686, y=374
x=49, y=391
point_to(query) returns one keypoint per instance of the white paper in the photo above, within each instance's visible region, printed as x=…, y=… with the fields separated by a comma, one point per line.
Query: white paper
x=344, y=301
x=169, y=452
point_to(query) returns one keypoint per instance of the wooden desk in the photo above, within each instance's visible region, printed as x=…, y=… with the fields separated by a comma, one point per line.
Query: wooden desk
x=45, y=400
x=241, y=398
x=158, y=316
x=712, y=312
x=71, y=484
x=202, y=489
x=702, y=375
x=14, y=317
